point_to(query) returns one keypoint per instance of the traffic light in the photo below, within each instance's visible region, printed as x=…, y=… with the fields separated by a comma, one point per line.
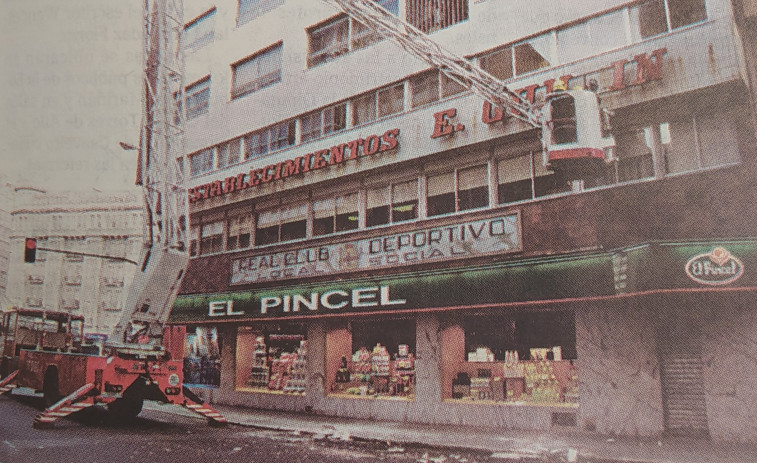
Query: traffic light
x=30, y=250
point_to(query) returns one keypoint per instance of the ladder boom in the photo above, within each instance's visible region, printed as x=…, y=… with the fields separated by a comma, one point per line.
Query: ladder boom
x=418, y=44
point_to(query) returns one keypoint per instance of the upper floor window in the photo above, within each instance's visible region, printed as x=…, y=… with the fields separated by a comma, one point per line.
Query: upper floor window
x=229, y=153
x=459, y=190
x=200, y=31
x=393, y=203
x=431, y=86
x=258, y=71
x=201, y=162
x=240, y=229
x=377, y=104
x=525, y=177
x=520, y=58
x=323, y=122
x=261, y=142
x=251, y=9
x=281, y=224
x=433, y=15
x=655, y=17
x=197, y=98
x=211, y=238
x=591, y=37
x=335, y=214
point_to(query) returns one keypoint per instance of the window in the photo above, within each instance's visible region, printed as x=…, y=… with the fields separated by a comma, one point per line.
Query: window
x=239, y=232
x=518, y=59
x=592, y=37
x=211, y=238
x=251, y=9
x=228, y=153
x=651, y=18
x=633, y=150
x=323, y=122
x=194, y=238
x=273, y=138
x=281, y=224
x=272, y=358
x=424, y=88
x=200, y=31
x=383, y=102
x=366, y=358
x=519, y=358
x=335, y=214
x=256, y=72
x=201, y=162
x=329, y=41
x=525, y=177
x=342, y=35
x=459, y=190
x=202, y=362
x=197, y=98
x=394, y=203
x=433, y=15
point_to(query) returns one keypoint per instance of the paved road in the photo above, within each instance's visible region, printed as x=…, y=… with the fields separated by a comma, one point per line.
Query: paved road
x=165, y=438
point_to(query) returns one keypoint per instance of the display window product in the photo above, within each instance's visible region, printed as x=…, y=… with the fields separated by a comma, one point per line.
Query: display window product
x=202, y=357
x=527, y=358
x=272, y=360
x=372, y=363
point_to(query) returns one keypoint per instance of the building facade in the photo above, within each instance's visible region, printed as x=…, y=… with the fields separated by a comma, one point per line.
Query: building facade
x=97, y=223
x=370, y=239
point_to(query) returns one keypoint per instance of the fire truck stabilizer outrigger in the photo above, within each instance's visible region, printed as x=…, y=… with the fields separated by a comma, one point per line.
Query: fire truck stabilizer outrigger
x=143, y=359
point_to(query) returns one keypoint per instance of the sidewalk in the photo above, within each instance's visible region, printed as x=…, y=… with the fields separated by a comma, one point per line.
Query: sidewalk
x=510, y=443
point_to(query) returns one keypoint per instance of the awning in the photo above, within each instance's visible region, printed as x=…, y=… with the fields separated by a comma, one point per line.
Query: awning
x=644, y=269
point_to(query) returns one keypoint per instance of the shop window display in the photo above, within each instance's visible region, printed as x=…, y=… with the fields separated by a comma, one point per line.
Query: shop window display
x=521, y=359
x=202, y=357
x=272, y=360
x=366, y=361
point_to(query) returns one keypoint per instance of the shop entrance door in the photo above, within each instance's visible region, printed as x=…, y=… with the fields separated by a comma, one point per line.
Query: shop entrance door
x=683, y=395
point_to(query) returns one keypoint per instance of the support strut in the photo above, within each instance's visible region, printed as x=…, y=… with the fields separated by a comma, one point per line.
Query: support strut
x=197, y=405
x=72, y=403
x=5, y=383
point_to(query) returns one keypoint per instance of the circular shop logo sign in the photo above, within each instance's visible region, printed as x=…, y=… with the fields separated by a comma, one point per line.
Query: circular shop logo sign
x=718, y=267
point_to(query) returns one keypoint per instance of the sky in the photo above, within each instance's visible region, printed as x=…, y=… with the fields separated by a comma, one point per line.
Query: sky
x=71, y=79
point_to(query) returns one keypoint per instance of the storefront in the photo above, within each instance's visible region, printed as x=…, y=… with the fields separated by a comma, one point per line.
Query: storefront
x=526, y=343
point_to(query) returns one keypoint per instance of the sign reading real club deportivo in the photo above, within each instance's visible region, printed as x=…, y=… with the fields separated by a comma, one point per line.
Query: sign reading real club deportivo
x=718, y=267
x=493, y=235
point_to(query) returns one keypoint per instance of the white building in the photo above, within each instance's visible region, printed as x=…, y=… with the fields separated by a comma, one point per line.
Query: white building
x=103, y=224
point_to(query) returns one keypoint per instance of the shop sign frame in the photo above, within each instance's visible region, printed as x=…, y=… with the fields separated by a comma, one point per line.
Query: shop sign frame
x=499, y=234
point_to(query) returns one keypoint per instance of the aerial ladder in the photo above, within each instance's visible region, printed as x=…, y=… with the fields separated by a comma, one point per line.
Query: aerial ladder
x=570, y=120
x=143, y=358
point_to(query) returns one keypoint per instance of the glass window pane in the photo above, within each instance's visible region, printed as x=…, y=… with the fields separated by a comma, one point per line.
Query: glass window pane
x=634, y=152
x=547, y=182
x=335, y=118
x=498, y=63
x=534, y=54
x=685, y=12
x=310, y=126
x=718, y=140
x=347, y=212
x=391, y=100
x=405, y=201
x=424, y=88
x=329, y=41
x=364, y=109
x=473, y=188
x=323, y=217
x=441, y=194
x=679, y=145
x=450, y=87
x=647, y=20
x=377, y=206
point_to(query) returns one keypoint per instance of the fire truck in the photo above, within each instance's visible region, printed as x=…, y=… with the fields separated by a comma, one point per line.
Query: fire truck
x=144, y=362
x=143, y=358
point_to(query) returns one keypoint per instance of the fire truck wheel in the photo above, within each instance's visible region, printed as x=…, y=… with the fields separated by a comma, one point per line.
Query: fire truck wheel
x=125, y=409
x=50, y=389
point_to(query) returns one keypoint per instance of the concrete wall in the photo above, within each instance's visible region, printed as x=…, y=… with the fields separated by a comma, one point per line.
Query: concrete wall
x=618, y=369
x=729, y=356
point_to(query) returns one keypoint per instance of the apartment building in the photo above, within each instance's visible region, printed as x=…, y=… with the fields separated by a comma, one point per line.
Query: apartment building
x=371, y=239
